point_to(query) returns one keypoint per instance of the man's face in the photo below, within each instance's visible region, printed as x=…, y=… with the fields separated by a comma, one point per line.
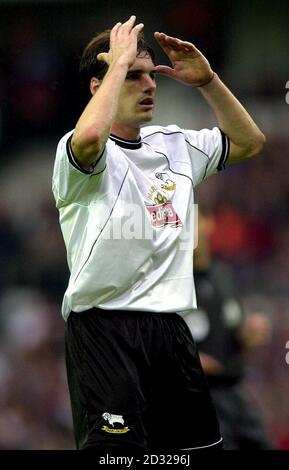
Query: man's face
x=136, y=102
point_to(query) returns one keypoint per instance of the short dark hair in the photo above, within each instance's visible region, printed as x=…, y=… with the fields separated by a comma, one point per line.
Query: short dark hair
x=91, y=67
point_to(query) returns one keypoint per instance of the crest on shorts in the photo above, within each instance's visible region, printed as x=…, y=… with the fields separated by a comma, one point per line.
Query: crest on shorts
x=115, y=424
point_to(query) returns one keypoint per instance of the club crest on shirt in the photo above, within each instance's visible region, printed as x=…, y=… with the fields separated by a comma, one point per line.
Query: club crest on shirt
x=161, y=210
x=115, y=424
x=168, y=184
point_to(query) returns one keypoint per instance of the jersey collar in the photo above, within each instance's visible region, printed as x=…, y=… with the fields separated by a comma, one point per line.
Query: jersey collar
x=126, y=143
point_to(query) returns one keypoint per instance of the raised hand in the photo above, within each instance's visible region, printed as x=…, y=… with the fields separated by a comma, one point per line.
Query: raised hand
x=189, y=66
x=123, y=43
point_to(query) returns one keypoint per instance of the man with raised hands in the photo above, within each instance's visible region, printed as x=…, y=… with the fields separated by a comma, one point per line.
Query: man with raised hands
x=125, y=196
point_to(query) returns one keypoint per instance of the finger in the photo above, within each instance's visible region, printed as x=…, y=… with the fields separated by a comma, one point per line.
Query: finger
x=114, y=30
x=169, y=43
x=129, y=23
x=164, y=46
x=126, y=27
x=164, y=43
x=181, y=45
x=163, y=36
x=165, y=70
x=136, y=30
x=116, y=26
x=170, y=40
x=188, y=44
x=160, y=36
x=103, y=57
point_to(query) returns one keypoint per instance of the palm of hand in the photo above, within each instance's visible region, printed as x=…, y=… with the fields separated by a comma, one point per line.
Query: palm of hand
x=189, y=66
x=189, y=70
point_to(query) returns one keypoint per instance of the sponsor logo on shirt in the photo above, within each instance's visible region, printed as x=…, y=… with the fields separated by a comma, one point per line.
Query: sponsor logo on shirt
x=162, y=211
x=164, y=214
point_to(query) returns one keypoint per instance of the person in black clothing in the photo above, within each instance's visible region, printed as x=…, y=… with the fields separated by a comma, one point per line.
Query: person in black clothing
x=222, y=332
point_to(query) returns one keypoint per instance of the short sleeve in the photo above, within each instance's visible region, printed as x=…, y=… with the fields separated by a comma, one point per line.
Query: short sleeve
x=209, y=150
x=70, y=182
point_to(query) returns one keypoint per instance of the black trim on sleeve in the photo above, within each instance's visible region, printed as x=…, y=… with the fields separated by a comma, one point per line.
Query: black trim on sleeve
x=225, y=151
x=73, y=160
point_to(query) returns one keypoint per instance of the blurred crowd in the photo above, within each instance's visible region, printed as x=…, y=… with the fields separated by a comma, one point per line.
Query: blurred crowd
x=39, y=101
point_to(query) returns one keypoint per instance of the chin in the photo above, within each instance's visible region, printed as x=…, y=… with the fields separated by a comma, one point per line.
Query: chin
x=146, y=118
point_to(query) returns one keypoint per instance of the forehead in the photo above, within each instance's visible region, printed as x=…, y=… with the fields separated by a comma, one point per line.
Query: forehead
x=143, y=63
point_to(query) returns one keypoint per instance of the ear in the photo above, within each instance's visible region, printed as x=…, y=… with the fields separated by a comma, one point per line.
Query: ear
x=94, y=85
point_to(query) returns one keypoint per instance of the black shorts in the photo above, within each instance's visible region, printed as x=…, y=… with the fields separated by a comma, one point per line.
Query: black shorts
x=136, y=383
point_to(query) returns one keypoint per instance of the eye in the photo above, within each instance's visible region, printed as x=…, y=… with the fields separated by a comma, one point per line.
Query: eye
x=133, y=76
x=153, y=75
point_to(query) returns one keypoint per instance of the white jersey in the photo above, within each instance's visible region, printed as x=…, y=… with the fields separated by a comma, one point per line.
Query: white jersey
x=128, y=224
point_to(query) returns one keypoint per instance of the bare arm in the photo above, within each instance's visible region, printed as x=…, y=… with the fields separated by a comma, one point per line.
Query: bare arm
x=246, y=139
x=93, y=127
x=190, y=67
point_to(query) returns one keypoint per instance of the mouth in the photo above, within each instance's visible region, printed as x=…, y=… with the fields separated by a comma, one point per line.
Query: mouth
x=147, y=103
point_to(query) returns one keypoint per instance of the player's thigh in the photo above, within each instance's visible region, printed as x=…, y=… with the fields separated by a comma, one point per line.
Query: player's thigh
x=107, y=398
x=183, y=415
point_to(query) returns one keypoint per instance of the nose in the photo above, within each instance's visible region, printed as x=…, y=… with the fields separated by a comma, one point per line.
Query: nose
x=149, y=83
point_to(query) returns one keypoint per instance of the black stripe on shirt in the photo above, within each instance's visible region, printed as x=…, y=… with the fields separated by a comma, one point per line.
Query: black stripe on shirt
x=175, y=172
x=74, y=162
x=225, y=151
x=183, y=134
x=107, y=220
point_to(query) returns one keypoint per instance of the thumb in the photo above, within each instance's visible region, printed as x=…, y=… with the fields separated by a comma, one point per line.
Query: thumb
x=165, y=70
x=103, y=57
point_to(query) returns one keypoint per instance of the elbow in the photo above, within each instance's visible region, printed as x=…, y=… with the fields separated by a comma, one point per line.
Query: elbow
x=86, y=145
x=85, y=139
x=257, y=144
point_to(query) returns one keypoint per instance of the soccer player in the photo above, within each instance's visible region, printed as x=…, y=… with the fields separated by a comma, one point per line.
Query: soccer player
x=125, y=196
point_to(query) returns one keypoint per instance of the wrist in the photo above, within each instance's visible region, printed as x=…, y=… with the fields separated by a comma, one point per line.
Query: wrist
x=118, y=66
x=206, y=82
x=121, y=62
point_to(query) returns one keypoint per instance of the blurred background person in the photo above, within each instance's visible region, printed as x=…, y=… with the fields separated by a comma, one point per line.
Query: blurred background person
x=222, y=333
